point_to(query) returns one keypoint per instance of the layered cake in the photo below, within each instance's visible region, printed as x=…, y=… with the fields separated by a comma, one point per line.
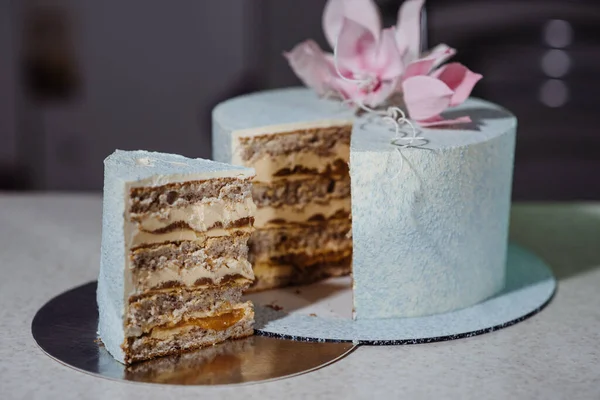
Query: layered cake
x=301, y=190
x=174, y=258
x=430, y=169
x=429, y=223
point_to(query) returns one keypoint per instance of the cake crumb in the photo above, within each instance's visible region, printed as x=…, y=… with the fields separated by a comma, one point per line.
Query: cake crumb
x=274, y=307
x=297, y=291
x=98, y=341
x=312, y=315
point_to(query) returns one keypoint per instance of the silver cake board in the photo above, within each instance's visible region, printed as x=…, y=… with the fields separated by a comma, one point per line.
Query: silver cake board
x=65, y=329
x=322, y=312
x=317, y=317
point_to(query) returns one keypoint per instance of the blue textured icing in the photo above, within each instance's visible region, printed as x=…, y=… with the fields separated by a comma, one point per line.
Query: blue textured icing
x=529, y=287
x=428, y=237
x=136, y=165
x=430, y=224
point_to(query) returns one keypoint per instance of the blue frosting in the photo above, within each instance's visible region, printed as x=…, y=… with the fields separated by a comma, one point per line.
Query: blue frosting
x=429, y=224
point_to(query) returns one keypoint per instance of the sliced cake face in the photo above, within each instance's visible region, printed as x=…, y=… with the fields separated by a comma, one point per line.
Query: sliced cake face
x=299, y=146
x=302, y=194
x=430, y=223
x=174, y=254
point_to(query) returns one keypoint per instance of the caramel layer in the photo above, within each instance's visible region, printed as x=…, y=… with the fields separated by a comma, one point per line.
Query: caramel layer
x=215, y=323
x=190, y=336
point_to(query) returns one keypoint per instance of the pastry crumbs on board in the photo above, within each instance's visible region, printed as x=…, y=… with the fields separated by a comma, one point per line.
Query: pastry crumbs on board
x=274, y=307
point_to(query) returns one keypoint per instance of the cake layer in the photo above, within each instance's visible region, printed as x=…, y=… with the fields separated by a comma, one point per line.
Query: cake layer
x=322, y=142
x=188, y=254
x=175, y=305
x=297, y=214
x=269, y=275
x=200, y=217
x=300, y=191
x=171, y=275
x=307, y=260
x=152, y=199
x=190, y=335
x=300, y=241
x=337, y=168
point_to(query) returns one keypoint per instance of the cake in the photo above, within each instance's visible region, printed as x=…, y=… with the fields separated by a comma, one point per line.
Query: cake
x=430, y=169
x=301, y=189
x=174, y=254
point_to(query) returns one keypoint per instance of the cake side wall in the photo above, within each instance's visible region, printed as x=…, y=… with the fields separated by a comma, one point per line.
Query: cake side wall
x=111, y=292
x=221, y=141
x=430, y=236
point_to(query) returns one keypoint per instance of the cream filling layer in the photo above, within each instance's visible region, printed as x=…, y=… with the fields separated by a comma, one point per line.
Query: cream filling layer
x=200, y=217
x=145, y=238
x=291, y=213
x=168, y=333
x=145, y=280
x=266, y=166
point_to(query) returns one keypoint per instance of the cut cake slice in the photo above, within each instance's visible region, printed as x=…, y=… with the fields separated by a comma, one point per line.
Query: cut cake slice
x=174, y=259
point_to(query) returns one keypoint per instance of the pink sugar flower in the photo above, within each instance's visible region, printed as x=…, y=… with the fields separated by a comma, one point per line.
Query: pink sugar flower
x=371, y=64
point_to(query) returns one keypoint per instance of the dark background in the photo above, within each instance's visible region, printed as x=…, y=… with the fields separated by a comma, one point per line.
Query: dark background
x=80, y=78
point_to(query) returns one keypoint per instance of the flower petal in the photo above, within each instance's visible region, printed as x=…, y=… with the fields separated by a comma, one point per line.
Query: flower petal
x=458, y=78
x=363, y=12
x=388, y=62
x=425, y=97
x=424, y=65
x=352, y=92
x=439, y=121
x=408, y=29
x=356, y=47
x=421, y=66
x=381, y=95
x=313, y=67
x=441, y=53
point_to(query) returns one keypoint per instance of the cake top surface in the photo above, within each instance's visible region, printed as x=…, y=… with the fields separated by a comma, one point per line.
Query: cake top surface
x=153, y=168
x=488, y=121
x=272, y=108
x=296, y=108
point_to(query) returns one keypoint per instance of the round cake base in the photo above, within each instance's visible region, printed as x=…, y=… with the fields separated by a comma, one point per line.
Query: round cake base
x=65, y=329
x=322, y=312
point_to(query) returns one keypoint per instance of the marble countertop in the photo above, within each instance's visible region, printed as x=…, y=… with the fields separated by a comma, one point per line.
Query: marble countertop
x=50, y=243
